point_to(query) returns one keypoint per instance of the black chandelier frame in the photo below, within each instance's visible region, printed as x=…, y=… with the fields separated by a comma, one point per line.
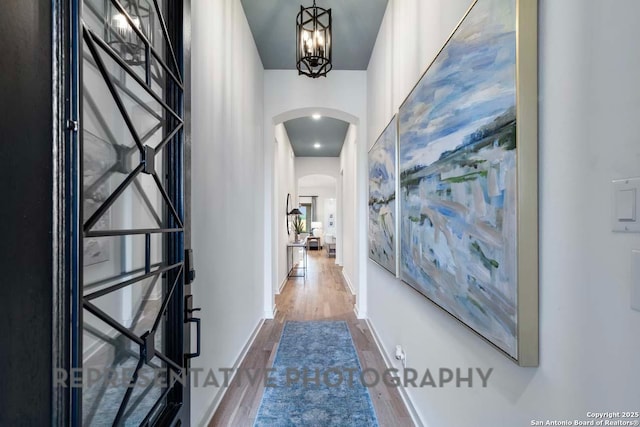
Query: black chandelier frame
x=313, y=41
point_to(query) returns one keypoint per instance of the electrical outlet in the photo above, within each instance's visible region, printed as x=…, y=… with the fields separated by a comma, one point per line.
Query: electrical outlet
x=401, y=355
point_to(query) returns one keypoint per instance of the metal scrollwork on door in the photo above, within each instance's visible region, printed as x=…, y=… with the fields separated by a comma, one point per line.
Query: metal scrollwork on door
x=132, y=214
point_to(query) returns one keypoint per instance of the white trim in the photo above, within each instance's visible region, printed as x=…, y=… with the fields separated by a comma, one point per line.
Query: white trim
x=270, y=314
x=403, y=391
x=359, y=314
x=305, y=112
x=213, y=407
x=349, y=285
x=282, y=285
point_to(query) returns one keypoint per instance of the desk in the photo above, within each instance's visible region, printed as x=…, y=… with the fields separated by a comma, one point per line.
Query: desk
x=294, y=267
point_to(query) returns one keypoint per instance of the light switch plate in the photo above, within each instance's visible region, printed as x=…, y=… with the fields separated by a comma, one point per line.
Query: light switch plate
x=626, y=201
x=635, y=280
x=625, y=215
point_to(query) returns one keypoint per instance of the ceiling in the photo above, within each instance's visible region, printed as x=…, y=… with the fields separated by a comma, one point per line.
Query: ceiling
x=305, y=132
x=355, y=28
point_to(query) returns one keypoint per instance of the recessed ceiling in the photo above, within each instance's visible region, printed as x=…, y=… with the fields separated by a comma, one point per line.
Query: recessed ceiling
x=304, y=133
x=355, y=28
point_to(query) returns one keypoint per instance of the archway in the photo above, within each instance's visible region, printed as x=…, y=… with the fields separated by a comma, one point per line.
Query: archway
x=350, y=172
x=317, y=193
x=306, y=112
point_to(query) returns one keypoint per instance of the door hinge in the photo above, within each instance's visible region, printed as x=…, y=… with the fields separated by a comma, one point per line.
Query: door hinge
x=72, y=125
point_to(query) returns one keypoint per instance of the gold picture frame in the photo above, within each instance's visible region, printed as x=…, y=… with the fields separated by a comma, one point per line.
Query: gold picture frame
x=469, y=178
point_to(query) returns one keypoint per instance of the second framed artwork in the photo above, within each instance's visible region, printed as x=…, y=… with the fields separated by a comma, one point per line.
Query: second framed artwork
x=382, y=198
x=464, y=150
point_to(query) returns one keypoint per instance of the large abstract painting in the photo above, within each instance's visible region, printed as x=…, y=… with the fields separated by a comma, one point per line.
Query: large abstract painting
x=459, y=147
x=382, y=198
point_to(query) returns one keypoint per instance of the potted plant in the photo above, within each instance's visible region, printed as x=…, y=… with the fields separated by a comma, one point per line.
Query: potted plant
x=298, y=227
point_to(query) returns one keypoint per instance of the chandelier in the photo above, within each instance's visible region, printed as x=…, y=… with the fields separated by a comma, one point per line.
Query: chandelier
x=313, y=45
x=122, y=37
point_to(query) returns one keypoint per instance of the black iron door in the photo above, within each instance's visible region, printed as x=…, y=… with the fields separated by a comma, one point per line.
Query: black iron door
x=130, y=339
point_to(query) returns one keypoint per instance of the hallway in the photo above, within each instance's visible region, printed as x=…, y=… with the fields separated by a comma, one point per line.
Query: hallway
x=322, y=296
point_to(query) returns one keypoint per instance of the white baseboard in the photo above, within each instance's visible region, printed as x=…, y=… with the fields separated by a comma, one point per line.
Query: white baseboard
x=403, y=392
x=360, y=315
x=282, y=285
x=356, y=310
x=213, y=407
x=349, y=285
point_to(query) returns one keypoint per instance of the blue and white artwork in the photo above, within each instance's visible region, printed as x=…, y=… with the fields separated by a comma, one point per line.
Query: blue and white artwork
x=458, y=169
x=382, y=199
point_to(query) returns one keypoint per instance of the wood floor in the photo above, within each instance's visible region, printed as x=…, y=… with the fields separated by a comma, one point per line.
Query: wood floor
x=322, y=296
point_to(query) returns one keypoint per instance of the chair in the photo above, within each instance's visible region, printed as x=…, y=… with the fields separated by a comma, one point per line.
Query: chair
x=330, y=245
x=315, y=239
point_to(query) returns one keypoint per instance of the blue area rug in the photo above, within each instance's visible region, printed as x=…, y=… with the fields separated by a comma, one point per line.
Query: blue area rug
x=316, y=381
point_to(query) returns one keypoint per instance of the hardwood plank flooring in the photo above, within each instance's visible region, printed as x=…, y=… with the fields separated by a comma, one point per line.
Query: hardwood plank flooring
x=322, y=296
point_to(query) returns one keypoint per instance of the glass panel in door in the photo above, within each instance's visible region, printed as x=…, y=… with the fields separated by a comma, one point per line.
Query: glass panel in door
x=132, y=268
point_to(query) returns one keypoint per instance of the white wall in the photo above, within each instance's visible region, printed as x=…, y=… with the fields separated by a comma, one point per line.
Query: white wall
x=349, y=213
x=323, y=195
x=317, y=166
x=228, y=160
x=307, y=168
x=589, y=108
x=284, y=183
x=342, y=95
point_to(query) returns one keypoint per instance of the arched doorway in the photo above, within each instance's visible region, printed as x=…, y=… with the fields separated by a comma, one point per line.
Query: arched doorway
x=350, y=177
x=317, y=198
